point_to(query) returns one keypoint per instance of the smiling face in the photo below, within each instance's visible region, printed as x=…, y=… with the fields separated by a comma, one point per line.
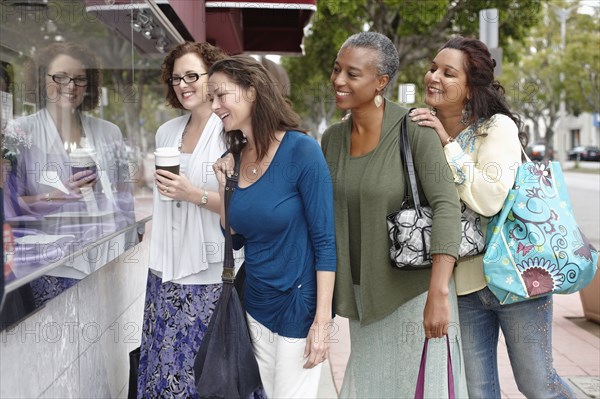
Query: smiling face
x=231, y=102
x=190, y=95
x=65, y=96
x=355, y=78
x=446, y=81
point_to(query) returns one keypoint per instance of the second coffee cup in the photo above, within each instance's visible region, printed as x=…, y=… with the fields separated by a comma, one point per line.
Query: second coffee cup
x=167, y=158
x=82, y=159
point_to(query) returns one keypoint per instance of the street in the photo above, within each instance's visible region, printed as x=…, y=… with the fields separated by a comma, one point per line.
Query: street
x=584, y=190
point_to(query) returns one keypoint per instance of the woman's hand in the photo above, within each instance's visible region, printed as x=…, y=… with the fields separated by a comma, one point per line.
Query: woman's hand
x=176, y=187
x=85, y=178
x=426, y=117
x=224, y=167
x=436, y=316
x=75, y=184
x=317, y=342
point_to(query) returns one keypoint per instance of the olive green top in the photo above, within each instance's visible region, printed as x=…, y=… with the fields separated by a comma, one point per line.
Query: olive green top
x=383, y=287
x=354, y=172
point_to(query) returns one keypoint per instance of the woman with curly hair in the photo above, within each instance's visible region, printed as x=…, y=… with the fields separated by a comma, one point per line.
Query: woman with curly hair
x=186, y=259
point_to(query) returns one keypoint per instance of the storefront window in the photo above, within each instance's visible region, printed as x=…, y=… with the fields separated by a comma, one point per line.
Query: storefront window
x=80, y=102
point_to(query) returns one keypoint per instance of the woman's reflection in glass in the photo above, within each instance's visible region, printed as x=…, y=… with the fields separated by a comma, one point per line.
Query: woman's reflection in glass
x=72, y=170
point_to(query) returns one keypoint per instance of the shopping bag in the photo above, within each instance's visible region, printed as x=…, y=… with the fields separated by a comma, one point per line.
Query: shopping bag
x=420, y=390
x=134, y=365
x=534, y=246
x=225, y=366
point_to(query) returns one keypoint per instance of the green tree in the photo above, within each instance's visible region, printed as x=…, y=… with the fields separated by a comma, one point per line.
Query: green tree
x=534, y=85
x=581, y=63
x=417, y=28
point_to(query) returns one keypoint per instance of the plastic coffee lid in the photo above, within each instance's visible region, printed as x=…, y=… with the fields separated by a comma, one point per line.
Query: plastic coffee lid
x=82, y=153
x=167, y=151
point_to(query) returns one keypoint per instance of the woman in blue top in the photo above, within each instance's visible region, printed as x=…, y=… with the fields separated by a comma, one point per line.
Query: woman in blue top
x=282, y=214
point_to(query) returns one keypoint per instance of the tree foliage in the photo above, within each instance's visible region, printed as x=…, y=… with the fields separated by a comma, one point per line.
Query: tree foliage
x=581, y=63
x=534, y=85
x=417, y=28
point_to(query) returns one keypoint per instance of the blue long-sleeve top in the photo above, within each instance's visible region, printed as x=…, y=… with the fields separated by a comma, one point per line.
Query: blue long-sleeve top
x=285, y=222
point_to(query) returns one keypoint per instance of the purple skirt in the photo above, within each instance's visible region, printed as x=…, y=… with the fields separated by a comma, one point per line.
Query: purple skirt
x=47, y=287
x=176, y=317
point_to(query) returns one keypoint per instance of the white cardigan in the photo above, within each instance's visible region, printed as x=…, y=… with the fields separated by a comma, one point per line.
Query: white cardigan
x=201, y=249
x=46, y=154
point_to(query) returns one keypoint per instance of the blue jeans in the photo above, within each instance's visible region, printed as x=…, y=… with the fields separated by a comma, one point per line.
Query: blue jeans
x=527, y=329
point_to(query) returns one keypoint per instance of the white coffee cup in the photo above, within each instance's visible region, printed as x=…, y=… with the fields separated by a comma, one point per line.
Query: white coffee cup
x=167, y=158
x=82, y=159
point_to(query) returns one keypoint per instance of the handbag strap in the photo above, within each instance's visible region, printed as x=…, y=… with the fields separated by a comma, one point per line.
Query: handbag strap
x=410, y=180
x=228, y=275
x=420, y=391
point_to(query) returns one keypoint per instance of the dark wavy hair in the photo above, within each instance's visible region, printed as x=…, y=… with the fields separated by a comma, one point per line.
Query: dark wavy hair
x=271, y=111
x=37, y=69
x=487, y=94
x=208, y=53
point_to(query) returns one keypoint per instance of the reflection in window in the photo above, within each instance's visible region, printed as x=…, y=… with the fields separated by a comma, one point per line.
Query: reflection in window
x=69, y=185
x=80, y=106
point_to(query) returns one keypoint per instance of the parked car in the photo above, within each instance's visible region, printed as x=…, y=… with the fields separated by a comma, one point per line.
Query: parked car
x=537, y=152
x=584, y=153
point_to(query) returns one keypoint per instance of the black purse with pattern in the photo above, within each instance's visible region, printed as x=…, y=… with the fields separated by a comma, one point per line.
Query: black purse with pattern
x=410, y=227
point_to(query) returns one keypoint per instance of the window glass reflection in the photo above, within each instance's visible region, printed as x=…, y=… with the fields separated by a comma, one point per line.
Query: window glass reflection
x=79, y=108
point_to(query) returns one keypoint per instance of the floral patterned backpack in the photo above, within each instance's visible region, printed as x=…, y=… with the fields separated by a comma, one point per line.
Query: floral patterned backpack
x=534, y=246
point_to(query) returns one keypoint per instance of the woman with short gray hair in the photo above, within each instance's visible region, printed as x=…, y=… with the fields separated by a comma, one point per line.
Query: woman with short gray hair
x=391, y=311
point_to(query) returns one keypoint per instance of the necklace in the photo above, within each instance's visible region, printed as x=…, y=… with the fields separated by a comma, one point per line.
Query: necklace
x=180, y=146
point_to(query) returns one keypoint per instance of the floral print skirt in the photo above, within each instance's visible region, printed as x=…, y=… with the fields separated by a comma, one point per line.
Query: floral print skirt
x=175, y=320
x=48, y=287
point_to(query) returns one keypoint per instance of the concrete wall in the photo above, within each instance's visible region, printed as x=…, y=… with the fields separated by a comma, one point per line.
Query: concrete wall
x=77, y=346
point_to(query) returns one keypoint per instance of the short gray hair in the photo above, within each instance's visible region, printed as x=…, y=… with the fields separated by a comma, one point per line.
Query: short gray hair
x=387, y=60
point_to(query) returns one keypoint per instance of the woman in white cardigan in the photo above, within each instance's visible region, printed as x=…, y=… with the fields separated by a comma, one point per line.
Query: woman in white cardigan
x=184, y=280
x=42, y=183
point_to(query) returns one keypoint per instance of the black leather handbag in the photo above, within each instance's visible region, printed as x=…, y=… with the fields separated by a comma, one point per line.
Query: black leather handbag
x=410, y=227
x=225, y=366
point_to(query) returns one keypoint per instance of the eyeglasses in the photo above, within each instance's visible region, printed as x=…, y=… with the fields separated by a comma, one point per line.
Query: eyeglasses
x=189, y=78
x=65, y=80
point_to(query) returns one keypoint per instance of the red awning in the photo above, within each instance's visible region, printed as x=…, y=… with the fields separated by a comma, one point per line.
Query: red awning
x=267, y=26
x=264, y=4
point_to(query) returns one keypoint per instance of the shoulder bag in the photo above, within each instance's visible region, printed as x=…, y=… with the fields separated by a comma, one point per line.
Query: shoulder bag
x=535, y=247
x=410, y=227
x=225, y=366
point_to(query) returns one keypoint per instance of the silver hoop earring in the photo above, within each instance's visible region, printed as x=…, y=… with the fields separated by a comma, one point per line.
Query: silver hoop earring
x=378, y=100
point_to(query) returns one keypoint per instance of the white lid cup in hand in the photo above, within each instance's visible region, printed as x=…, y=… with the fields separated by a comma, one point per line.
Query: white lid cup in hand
x=167, y=158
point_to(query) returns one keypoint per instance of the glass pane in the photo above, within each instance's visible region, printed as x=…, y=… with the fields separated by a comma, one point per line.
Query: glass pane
x=80, y=104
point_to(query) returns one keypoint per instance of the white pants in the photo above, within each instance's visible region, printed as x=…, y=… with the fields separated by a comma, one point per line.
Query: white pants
x=280, y=361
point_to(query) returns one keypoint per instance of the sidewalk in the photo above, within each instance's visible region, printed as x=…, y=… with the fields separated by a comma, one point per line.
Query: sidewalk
x=576, y=351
